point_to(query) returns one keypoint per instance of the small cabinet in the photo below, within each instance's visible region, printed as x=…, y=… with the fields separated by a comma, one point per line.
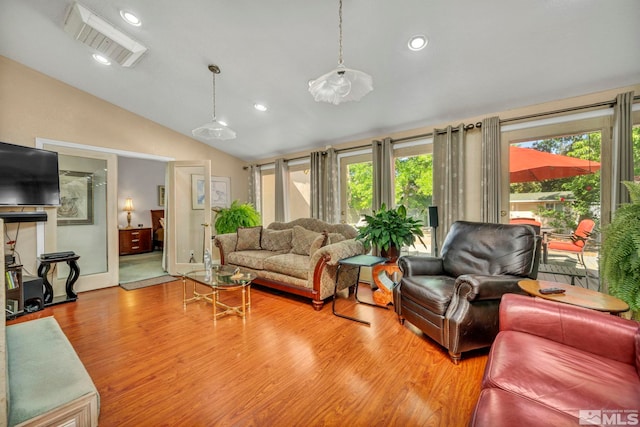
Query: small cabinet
x=135, y=241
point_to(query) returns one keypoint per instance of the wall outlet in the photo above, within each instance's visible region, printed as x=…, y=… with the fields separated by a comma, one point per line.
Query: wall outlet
x=191, y=253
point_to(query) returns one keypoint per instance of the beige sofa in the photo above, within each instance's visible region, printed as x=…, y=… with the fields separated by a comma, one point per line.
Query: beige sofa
x=298, y=257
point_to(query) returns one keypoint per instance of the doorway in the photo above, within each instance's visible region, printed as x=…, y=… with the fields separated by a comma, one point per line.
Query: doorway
x=141, y=207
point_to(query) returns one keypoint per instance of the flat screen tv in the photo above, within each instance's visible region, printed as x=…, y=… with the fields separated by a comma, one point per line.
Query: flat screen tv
x=28, y=176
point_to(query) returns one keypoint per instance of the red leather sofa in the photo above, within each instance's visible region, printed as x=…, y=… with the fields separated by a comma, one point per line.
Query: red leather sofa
x=560, y=365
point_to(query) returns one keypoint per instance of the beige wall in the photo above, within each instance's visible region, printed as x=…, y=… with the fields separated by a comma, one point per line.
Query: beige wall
x=35, y=105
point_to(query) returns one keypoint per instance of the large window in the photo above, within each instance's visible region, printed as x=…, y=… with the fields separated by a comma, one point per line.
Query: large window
x=414, y=188
x=413, y=175
x=299, y=190
x=556, y=180
x=268, y=195
x=356, y=181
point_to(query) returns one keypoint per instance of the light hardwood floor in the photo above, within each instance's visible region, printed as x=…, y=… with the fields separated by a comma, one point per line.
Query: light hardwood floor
x=158, y=364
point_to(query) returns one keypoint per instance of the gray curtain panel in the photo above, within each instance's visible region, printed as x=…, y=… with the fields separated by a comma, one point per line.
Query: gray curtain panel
x=622, y=161
x=491, y=183
x=383, y=177
x=324, y=186
x=254, y=187
x=448, y=177
x=282, y=190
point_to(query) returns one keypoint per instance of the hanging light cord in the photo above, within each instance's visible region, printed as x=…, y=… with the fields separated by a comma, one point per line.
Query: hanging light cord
x=340, y=61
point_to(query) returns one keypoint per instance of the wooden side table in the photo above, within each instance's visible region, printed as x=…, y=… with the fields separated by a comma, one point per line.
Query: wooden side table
x=573, y=295
x=385, y=277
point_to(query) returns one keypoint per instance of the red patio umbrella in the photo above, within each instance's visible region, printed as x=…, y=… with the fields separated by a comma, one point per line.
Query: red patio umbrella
x=527, y=164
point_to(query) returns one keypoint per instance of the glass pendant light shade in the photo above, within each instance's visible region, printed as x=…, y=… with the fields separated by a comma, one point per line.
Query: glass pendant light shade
x=342, y=84
x=214, y=129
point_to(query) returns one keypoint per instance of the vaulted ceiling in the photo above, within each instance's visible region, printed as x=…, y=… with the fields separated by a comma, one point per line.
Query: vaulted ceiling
x=482, y=57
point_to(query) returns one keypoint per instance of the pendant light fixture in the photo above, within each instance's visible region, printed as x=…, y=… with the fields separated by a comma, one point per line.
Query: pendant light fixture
x=214, y=129
x=341, y=84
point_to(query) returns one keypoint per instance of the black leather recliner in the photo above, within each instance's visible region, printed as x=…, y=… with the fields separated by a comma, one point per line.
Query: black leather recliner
x=454, y=298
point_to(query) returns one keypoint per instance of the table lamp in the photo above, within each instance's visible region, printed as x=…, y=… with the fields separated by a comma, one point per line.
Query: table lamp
x=128, y=208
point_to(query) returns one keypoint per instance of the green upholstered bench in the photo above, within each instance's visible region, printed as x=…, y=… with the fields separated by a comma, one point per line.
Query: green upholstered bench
x=47, y=382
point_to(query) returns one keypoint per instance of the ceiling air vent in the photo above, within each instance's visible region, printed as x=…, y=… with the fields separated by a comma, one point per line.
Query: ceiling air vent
x=90, y=29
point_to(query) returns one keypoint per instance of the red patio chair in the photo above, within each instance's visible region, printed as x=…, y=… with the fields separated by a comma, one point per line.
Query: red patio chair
x=574, y=243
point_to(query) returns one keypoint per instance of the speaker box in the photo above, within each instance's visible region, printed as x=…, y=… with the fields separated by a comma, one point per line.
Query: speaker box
x=433, y=216
x=32, y=293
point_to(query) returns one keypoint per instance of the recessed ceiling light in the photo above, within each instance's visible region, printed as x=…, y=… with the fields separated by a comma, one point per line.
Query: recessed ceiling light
x=260, y=107
x=418, y=42
x=101, y=59
x=130, y=18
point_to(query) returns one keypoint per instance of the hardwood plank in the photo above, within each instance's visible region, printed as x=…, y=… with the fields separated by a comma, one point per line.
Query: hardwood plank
x=158, y=364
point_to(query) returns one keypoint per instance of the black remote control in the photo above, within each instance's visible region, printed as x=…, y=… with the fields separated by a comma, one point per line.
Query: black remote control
x=549, y=291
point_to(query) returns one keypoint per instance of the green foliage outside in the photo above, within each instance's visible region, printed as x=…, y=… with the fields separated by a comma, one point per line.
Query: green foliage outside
x=620, y=264
x=413, y=186
x=228, y=220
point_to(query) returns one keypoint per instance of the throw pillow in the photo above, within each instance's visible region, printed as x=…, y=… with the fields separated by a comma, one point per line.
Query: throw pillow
x=335, y=238
x=302, y=240
x=276, y=240
x=319, y=242
x=248, y=238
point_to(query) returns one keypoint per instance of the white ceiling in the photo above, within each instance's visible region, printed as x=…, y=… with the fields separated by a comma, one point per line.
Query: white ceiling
x=483, y=57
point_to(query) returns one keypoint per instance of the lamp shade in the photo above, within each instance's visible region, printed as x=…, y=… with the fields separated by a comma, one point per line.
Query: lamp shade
x=214, y=130
x=128, y=205
x=341, y=85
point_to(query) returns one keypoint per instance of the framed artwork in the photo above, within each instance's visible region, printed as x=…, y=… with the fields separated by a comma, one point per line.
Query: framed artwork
x=220, y=192
x=76, y=198
x=160, y=195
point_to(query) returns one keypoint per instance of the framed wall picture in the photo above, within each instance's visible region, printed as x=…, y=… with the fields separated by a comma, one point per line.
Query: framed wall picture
x=76, y=198
x=160, y=195
x=220, y=192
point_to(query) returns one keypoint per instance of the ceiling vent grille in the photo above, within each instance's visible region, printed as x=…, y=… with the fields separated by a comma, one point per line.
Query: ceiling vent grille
x=97, y=33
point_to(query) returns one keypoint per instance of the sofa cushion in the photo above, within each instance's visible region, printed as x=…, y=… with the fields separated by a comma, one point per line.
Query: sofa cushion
x=249, y=259
x=560, y=376
x=499, y=408
x=248, y=238
x=276, y=240
x=302, y=240
x=290, y=264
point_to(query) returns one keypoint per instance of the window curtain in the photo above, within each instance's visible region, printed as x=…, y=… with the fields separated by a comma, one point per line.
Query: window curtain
x=281, y=190
x=324, y=186
x=383, y=178
x=448, y=177
x=491, y=185
x=622, y=161
x=254, y=187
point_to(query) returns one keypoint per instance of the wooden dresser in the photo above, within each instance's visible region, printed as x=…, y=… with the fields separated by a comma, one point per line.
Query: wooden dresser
x=135, y=241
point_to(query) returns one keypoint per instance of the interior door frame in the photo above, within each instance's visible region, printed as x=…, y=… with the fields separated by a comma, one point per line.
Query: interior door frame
x=48, y=229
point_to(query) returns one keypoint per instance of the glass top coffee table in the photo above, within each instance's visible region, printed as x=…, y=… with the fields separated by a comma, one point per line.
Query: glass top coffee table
x=220, y=278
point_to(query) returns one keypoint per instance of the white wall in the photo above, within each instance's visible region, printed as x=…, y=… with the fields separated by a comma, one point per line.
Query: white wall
x=139, y=179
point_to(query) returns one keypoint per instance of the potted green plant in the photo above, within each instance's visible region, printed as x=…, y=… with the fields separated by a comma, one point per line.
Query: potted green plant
x=620, y=263
x=228, y=220
x=390, y=229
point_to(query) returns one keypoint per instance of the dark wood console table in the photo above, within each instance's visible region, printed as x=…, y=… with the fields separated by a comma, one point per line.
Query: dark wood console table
x=74, y=273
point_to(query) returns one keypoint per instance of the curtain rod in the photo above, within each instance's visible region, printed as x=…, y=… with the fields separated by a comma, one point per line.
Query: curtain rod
x=478, y=125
